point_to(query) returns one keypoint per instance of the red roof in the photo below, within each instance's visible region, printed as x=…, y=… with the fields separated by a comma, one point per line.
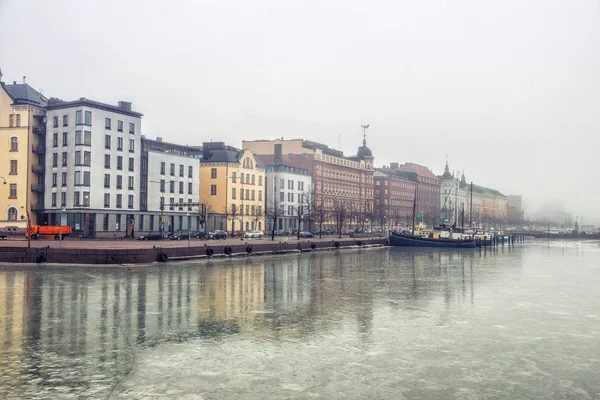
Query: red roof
x=420, y=170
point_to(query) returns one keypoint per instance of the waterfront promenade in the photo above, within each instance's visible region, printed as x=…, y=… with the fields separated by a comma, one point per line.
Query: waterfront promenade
x=131, y=251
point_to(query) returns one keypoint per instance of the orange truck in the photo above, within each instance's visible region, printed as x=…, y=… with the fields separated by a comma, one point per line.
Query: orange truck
x=44, y=230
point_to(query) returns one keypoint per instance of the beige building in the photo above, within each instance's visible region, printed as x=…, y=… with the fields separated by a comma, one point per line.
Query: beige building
x=232, y=186
x=22, y=128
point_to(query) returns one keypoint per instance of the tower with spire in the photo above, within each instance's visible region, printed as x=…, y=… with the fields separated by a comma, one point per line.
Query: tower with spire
x=453, y=195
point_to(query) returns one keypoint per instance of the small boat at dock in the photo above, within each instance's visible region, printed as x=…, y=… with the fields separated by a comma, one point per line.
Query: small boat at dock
x=407, y=240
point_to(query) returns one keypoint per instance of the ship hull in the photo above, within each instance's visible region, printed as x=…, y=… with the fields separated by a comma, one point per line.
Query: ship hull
x=414, y=241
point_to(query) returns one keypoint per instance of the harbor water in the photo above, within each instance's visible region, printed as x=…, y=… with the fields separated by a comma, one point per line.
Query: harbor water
x=387, y=323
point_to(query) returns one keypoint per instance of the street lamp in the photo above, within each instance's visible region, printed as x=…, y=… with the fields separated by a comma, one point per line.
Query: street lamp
x=188, y=224
x=62, y=212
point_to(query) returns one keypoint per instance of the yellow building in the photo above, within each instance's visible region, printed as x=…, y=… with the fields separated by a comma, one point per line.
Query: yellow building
x=22, y=127
x=232, y=188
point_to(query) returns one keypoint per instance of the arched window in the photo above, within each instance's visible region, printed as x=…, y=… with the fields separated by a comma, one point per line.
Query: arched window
x=14, y=143
x=12, y=214
x=259, y=225
x=11, y=120
x=247, y=226
x=18, y=119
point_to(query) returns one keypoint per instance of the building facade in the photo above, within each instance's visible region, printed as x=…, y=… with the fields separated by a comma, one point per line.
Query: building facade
x=92, y=162
x=169, y=188
x=289, y=196
x=22, y=113
x=454, y=198
x=232, y=186
x=342, y=185
x=394, y=199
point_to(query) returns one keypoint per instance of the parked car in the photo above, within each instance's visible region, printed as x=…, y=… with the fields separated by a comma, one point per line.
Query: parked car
x=181, y=235
x=218, y=234
x=151, y=236
x=279, y=232
x=201, y=234
x=171, y=234
x=306, y=234
x=254, y=234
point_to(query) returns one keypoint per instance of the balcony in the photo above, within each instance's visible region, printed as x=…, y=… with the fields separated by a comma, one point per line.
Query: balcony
x=37, y=168
x=39, y=148
x=37, y=187
x=39, y=130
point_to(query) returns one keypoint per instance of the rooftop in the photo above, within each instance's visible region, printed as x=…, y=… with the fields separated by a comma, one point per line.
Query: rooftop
x=123, y=107
x=22, y=93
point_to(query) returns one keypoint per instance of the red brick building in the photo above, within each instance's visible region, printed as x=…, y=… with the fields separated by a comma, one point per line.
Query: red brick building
x=394, y=198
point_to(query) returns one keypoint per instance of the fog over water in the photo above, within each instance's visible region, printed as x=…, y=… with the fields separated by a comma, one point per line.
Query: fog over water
x=510, y=90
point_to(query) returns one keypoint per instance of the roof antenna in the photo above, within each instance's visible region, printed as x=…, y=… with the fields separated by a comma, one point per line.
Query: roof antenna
x=340, y=142
x=24, y=78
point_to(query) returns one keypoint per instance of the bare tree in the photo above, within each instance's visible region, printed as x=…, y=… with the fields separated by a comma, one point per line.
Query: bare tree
x=274, y=211
x=340, y=214
x=309, y=203
x=320, y=217
x=231, y=213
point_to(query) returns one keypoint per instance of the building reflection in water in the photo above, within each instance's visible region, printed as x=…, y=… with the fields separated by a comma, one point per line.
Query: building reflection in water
x=64, y=327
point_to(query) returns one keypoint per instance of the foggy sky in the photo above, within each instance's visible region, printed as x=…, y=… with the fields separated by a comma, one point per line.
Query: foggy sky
x=509, y=90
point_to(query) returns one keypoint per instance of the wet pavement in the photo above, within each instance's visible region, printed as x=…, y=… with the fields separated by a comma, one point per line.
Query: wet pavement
x=520, y=322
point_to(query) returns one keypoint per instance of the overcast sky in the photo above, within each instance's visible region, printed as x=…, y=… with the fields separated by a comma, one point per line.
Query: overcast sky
x=509, y=90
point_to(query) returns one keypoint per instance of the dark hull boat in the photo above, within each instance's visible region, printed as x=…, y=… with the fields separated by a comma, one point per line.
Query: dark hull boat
x=398, y=239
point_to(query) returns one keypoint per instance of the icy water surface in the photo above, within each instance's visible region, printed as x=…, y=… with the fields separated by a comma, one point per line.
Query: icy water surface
x=365, y=324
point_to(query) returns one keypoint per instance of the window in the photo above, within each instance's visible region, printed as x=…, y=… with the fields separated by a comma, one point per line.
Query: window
x=18, y=120
x=247, y=193
x=131, y=127
x=63, y=199
x=300, y=185
x=213, y=190
x=54, y=179
x=106, y=199
x=291, y=184
x=247, y=209
x=260, y=195
x=172, y=170
x=233, y=177
x=14, y=143
x=233, y=193
x=87, y=158
x=253, y=194
x=12, y=214
x=65, y=136
x=77, y=178
x=86, y=199
x=118, y=223
x=181, y=171
x=131, y=145
x=171, y=203
x=78, y=138
x=107, y=141
x=260, y=180
x=87, y=138
x=131, y=161
x=88, y=118
x=120, y=144
x=247, y=179
x=86, y=178
x=190, y=171
x=105, y=222
x=242, y=194
x=53, y=200
x=119, y=162
x=13, y=167
x=76, y=199
x=63, y=179
x=55, y=122
x=106, y=180
x=55, y=140
x=281, y=197
x=172, y=187
x=141, y=221
x=213, y=173
x=64, y=159
x=180, y=187
x=130, y=186
x=77, y=158
x=119, y=181
x=252, y=210
x=162, y=185
x=242, y=177
x=78, y=118
x=13, y=191
x=12, y=121
x=65, y=120
x=253, y=177
x=189, y=209
x=120, y=126
x=55, y=159
x=130, y=201
x=107, y=123
x=281, y=183
x=180, y=208
x=162, y=168
x=119, y=201
x=106, y=160
x=190, y=186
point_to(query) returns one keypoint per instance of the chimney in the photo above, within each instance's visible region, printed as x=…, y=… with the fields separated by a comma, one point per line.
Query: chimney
x=158, y=139
x=394, y=165
x=24, y=79
x=125, y=105
x=278, y=154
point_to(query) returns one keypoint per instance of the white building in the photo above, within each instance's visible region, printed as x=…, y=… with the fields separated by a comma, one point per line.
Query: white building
x=454, y=198
x=92, y=166
x=289, y=191
x=171, y=178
